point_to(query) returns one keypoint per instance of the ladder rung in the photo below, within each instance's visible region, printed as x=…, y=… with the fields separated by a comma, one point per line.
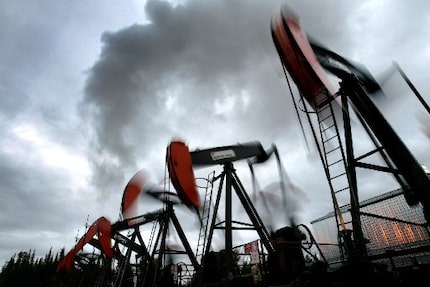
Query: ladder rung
x=337, y=175
x=329, y=116
x=327, y=128
x=329, y=139
x=332, y=150
x=335, y=162
x=343, y=189
x=322, y=108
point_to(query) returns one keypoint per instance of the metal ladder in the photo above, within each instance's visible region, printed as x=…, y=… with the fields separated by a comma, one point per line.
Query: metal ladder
x=205, y=215
x=334, y=161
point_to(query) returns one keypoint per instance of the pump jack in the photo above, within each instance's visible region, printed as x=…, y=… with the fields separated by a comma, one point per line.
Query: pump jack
x=229, y=180
x=305, y=62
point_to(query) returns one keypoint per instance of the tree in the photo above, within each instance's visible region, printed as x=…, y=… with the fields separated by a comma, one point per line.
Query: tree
x=24, y=269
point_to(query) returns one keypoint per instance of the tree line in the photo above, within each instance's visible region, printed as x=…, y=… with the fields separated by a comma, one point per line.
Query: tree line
x=24, y=269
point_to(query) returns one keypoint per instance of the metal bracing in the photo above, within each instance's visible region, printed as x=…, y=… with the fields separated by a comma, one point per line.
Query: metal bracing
x=161, y=249
x=229, y=182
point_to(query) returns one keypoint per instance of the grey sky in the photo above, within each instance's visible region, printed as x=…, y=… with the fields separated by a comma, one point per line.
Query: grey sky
x=92, y=91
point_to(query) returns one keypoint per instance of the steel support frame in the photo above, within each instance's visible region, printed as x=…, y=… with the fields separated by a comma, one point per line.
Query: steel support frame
x=232, y=182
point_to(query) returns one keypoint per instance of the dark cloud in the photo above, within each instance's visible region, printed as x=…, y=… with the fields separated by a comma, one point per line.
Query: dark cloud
x=105, y=86
x=195, y=55
x=210, y=68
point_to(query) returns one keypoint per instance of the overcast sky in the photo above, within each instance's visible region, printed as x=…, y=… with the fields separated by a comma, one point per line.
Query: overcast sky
x=93, y=91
